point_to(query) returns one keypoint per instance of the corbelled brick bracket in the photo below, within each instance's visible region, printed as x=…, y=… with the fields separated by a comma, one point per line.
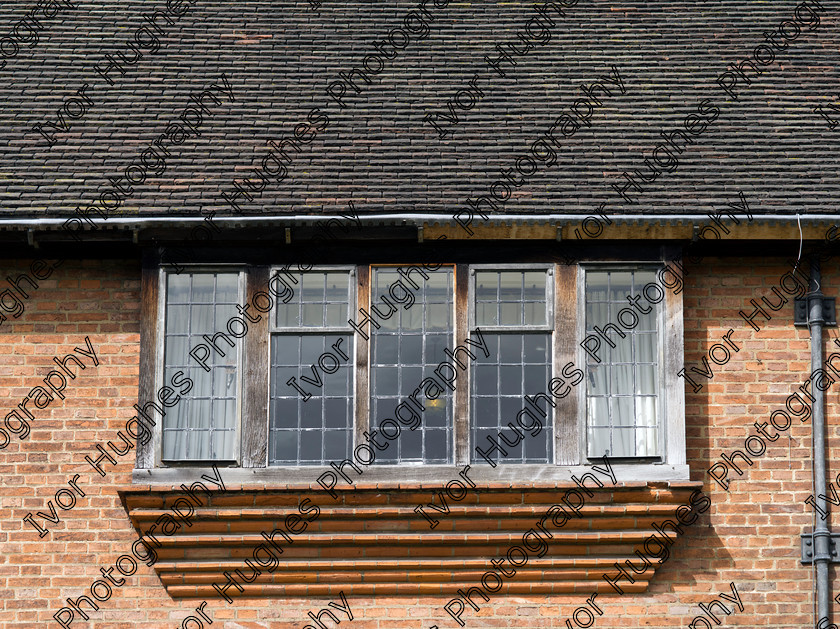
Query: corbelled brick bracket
x=371, y=541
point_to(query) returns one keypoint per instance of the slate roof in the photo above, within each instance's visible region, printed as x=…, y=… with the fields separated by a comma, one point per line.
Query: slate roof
x=279, y=58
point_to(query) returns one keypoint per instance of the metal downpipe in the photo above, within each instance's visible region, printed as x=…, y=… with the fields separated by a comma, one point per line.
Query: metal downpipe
x=822, y=556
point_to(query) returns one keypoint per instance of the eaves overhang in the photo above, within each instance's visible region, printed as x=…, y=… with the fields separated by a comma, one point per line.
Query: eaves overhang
x=426, y=227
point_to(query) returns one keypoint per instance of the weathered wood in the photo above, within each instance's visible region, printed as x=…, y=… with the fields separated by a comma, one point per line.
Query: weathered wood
x=625, y=231
x=462, y=384
x=438, y=475
x=568, y=328
x=672, y=393
x=255, y=370
x=362, y=351
x=150, y=333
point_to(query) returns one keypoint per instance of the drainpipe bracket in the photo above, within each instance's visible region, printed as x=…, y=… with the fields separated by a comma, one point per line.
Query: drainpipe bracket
x=800, y=311
x=809, y=555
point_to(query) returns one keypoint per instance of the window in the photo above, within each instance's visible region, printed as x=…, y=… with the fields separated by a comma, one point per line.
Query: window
x=311, y=383
x=622, y=394
x=289, y=370
x=515, y=310
x=202, y=426
x=405, y=348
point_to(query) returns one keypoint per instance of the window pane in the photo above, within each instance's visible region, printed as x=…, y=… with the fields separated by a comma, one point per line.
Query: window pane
x=288, y=315
x=599, y=442
x=336, y=315
x=623, y=442
x=646, y=344
x=622, y=410
x=647, y=321
x=598, y=412
x=646, y=441
x=312, y=315
x=438, y=317
x=284, y=446
x=202, y=426
x=411, y=445
x=622, y=382
x=178, y=289
x=534, y=286
x=646, y=411
x=320, y=429
x=485, y=380
x=227, y=288
x=511, y=314
x=411, y=348
x=620, y=285
x=486, y=314
x=487, y=286
x=335, y=445
x=438, y=288
x=645, y=380
x=510, y=286
x=436, y=440
x=312, y=298
x=336, y=286
x=202, y=288
x=311, y=442
x=312, y=287
x=284, y=413
x=534, y=313
x=405, y=351
x=596, y=286
x=178, y=321
x=595, y=313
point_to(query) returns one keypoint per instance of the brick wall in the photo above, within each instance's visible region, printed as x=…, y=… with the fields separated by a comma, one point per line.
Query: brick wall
x=749, y=537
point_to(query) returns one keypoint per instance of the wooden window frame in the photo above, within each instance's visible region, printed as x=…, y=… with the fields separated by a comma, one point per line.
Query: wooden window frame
x=569, y=414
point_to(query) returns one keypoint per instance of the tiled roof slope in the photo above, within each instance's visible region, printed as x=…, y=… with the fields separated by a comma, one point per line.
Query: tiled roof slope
x=279, y=58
